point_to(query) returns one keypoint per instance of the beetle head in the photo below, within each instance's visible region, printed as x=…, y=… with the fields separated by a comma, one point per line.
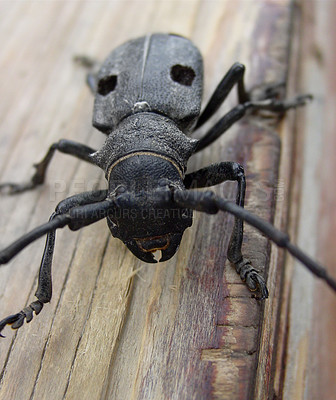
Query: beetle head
x=144, y=215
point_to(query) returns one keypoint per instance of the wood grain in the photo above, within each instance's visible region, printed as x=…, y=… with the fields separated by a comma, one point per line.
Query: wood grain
x=309, y=370
x=117, y=328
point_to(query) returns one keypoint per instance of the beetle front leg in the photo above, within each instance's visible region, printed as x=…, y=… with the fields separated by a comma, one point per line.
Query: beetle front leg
x=213, y=175
x=44, y=288
x=75, y=149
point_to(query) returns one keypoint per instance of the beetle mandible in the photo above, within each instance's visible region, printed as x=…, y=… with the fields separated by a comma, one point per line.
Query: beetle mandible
x=148, y=101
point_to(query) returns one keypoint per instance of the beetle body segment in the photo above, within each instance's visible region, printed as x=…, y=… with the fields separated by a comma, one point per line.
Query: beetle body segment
x=163, y=72
x=149, y=132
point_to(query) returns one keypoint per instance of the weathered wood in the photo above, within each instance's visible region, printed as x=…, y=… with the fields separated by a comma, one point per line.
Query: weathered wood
x=309, y=367
x=117, y=328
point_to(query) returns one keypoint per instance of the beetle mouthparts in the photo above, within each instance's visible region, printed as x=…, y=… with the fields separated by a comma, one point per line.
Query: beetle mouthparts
x=152, y=244
x=143, y=248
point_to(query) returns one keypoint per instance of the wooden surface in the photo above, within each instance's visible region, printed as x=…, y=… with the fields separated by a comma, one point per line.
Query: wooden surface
x=311, y=344
x=117, y=328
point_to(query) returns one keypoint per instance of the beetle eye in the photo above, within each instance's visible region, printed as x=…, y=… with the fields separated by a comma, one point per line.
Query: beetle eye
x=120, y=189
x=107, y=84
x=183, y=75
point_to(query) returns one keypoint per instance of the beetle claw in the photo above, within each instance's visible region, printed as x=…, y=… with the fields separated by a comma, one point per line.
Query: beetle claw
x=254, y=281
x=17, y=320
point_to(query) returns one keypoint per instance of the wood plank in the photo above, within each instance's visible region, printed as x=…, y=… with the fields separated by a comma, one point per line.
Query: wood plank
x=310, y=348
x=116, y=327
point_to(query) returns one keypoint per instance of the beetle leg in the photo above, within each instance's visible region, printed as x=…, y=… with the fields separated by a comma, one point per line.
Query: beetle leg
x=44, y=290
x=78, y=150
x=93, y=66
x=240, y=110
x=265, y=101
x=213, y=175
x=221, y=126
x=91, y=81
x=208, y=202
x=61, y=217
x=235, y=75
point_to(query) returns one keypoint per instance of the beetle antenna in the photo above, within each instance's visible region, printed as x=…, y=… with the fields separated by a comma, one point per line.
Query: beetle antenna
x=9, y=252
x=208, y=202
x=76, y=218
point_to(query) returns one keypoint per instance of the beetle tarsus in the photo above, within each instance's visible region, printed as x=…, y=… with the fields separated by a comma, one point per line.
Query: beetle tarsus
x=279, y=106
x=9, y=188
x=253, y=280
x=65, y=146
x=17, y=320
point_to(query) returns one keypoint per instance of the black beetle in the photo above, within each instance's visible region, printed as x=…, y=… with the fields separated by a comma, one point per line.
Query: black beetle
x=148, y=100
